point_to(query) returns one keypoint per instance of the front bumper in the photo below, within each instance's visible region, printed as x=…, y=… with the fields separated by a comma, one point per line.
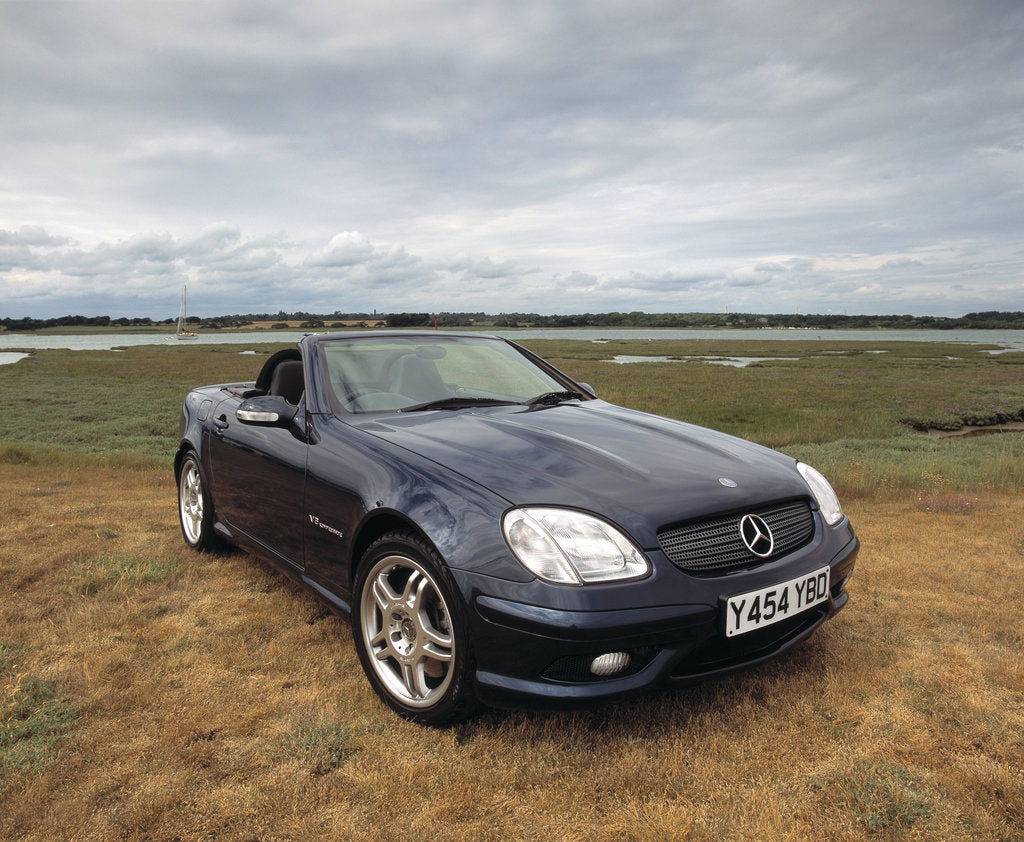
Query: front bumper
x=527, y=652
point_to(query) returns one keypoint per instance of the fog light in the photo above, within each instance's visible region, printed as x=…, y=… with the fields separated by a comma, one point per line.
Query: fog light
x=609, y=664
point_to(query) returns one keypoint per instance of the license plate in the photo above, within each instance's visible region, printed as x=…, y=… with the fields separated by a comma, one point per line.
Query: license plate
x=747, y=612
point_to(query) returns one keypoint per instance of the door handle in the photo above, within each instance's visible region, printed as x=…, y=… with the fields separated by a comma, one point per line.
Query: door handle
x=221, y=422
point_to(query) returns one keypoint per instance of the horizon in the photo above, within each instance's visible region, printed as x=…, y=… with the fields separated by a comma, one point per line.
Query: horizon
x=470, y=316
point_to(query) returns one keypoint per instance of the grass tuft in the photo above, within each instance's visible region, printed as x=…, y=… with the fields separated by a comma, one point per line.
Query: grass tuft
x=321, y=744
x=89, y=577
x=16, y=455
x=34, y=720
x=882, y=798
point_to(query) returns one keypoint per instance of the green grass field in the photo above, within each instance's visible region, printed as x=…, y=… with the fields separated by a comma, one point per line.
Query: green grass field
x=148, y=692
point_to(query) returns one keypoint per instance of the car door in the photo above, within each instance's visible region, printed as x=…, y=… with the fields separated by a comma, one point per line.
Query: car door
x=259, y=477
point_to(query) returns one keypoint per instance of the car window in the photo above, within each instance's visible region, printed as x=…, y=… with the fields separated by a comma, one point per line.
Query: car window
x=369, y=374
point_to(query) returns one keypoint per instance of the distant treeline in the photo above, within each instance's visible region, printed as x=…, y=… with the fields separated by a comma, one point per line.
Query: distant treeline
x=988, y=320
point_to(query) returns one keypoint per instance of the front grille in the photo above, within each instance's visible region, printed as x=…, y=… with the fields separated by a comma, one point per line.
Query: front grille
x=710, y=547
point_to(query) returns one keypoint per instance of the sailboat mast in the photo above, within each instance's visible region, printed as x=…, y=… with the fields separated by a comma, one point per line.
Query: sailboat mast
x=183, y=332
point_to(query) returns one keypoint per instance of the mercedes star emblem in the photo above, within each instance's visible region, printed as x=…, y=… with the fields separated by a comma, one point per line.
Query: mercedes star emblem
x=757, y=536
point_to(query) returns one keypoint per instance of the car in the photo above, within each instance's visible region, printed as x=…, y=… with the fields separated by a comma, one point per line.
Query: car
x=498, y=534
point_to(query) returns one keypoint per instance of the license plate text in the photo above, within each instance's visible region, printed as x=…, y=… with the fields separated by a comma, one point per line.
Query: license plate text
x=757, y=609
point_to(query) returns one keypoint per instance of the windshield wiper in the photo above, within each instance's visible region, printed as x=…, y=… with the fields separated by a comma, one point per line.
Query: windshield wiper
x=553, y=398
x=456, y=403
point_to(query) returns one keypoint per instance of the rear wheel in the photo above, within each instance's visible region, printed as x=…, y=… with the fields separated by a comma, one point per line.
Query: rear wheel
x=195, y=511
x=409, y=626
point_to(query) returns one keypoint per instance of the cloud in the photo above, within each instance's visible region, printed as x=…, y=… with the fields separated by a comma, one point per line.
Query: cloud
x=346, y=249
x=28, y=236
x=548, y=156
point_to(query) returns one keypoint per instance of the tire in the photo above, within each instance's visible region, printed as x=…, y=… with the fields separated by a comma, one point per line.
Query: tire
x=195, y=509
x=409, y=627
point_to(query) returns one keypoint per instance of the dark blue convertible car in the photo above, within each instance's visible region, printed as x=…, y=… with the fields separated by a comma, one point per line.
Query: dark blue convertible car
x=497, y=533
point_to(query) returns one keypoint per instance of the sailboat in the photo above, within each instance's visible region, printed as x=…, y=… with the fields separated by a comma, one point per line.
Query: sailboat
x=183, y=333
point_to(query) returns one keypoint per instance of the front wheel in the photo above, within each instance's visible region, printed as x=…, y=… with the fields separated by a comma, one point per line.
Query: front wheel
x=409, y=627
x=195, y=511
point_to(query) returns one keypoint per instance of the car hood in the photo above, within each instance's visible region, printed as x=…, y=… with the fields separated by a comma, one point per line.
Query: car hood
x=639, y=470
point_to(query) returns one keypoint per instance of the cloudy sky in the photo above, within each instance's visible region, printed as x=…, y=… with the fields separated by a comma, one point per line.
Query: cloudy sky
x=552, y=157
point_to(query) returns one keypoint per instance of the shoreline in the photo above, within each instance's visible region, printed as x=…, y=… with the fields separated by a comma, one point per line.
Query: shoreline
x=103, y=339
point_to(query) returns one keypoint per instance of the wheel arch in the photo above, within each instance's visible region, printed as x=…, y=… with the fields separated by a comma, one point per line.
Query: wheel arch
x=377, y=525
x=183, y=448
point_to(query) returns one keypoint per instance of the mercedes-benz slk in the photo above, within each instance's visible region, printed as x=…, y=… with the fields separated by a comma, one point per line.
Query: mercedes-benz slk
x=499, y=534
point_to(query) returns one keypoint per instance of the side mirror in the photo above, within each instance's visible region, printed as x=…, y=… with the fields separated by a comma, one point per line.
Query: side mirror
x=267, y=411
x=588, y=388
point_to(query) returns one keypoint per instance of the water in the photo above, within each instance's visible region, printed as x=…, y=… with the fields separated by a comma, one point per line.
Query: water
x=1006, y=339
x=110, y=341
x=735, y=362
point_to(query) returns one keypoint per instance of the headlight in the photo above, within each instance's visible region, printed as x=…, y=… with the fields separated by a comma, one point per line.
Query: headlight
x=823, y=493
x=572, y=548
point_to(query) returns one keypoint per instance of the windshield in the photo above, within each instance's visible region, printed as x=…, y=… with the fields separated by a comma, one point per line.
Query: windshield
x=389, y=373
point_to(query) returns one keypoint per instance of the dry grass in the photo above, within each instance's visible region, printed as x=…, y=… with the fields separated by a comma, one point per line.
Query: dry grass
x=184, y=696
